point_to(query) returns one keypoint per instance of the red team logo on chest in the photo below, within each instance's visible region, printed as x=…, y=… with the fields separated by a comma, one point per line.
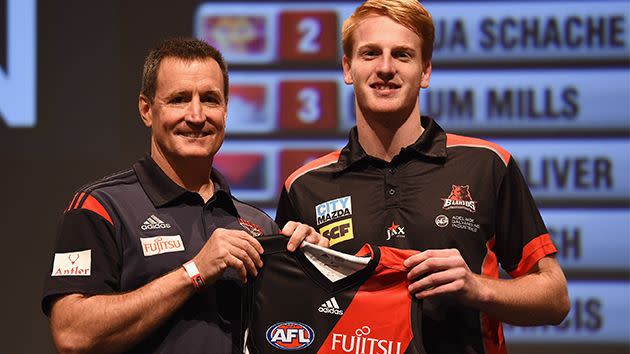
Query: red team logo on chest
x=460, y=198
x=250, y=227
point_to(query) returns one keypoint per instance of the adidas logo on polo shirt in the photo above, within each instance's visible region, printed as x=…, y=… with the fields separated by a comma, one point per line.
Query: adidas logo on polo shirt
x=331, y=306
x=153, y=223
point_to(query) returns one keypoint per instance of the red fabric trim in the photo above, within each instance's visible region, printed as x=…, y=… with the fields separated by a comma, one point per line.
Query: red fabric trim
x=369, y=316
x=317, y=163
x=491, y=328
x=534, y=251
x=94, y=205
x=490, y=266
x=493, y=339
x=458, y=140
x=366, y=250
x=72, y=201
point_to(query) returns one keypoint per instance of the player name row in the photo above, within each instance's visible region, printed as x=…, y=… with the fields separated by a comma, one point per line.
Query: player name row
x=566, y=101
x=600, y=313
x=583, y=171
x=264, y=33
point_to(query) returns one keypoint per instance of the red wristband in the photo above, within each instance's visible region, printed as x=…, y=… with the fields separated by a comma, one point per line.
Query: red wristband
x=193, y=273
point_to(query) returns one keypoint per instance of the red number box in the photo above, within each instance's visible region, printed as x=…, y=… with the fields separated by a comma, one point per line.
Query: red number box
x=308, y=106
x=308, y=35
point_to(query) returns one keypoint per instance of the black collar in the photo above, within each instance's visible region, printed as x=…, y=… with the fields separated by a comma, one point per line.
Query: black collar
x=161, y=190
x=431, y=144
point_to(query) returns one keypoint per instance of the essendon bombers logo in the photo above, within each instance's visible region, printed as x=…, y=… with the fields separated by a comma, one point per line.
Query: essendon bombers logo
x=290, y=335
x=250, y=227
x=460, y=198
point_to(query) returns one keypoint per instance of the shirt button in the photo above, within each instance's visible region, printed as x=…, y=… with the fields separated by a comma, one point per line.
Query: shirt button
x=392, y=171
x=391, y=192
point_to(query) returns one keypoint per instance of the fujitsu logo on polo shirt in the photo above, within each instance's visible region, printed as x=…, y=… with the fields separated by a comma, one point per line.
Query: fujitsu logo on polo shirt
x=153, y=222
x=72, y=264
x=333, y=209
x=161, y=244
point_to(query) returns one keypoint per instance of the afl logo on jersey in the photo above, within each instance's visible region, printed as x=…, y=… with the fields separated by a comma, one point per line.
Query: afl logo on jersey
x=290, y=335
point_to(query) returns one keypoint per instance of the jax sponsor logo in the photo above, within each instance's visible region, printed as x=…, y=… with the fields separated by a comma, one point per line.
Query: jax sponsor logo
x=290, y=335
x=460, y=198
x=333, y=209
x=338, y=231
x=361, y=342
x=72, y=264
x=395, y=231
x=161, y=244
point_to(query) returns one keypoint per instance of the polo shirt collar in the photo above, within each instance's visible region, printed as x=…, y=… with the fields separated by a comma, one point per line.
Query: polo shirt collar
x=431, y=144
x=161, y=189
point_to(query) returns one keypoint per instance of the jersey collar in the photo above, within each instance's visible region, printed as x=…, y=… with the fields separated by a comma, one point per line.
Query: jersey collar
x=431, y=144
x=161, y=189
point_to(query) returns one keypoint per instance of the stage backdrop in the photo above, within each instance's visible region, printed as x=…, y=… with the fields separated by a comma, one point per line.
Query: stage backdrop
x=549, y=81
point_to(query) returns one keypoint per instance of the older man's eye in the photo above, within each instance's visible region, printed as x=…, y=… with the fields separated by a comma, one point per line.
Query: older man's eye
x=210, y=99
x=176, y=100
x=402, y=55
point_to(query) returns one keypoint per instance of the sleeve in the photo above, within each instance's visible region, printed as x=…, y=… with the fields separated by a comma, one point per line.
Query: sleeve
x=285, y=211
x=86, y=259
x=521, y=236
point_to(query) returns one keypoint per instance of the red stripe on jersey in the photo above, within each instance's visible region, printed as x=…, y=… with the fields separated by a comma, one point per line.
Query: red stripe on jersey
x=72, y=201
x=381, y=307
x=534, y=251
x=92, y=204
x=491, y=328
x=317, y=163
x=458, y=140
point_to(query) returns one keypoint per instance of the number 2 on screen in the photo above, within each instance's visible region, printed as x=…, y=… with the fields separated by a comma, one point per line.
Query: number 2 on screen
x=310, y=30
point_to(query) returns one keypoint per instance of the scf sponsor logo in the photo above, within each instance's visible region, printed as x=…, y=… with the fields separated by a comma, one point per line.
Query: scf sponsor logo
x=333, y=209
x=360, y=342
x=290, y=335
x=161, y=244
x=338, y=231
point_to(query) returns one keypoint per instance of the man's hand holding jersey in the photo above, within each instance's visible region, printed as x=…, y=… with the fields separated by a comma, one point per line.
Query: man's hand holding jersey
x=439, y=272
x=527, y=300
x=238, y=250
x=302, y=232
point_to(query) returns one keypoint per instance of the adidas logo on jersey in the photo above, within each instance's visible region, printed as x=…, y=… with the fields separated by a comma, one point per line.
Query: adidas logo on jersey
x=331, y=306
x=153, y=223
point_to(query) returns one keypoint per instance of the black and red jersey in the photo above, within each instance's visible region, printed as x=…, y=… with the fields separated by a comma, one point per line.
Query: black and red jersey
x=292, y=305
x=443, y=191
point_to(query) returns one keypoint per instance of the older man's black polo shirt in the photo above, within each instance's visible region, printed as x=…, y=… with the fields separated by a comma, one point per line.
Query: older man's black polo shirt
x=443, y=191
x=132, y=227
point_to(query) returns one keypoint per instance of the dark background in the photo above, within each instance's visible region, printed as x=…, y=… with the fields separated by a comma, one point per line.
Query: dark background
x=89, y=66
